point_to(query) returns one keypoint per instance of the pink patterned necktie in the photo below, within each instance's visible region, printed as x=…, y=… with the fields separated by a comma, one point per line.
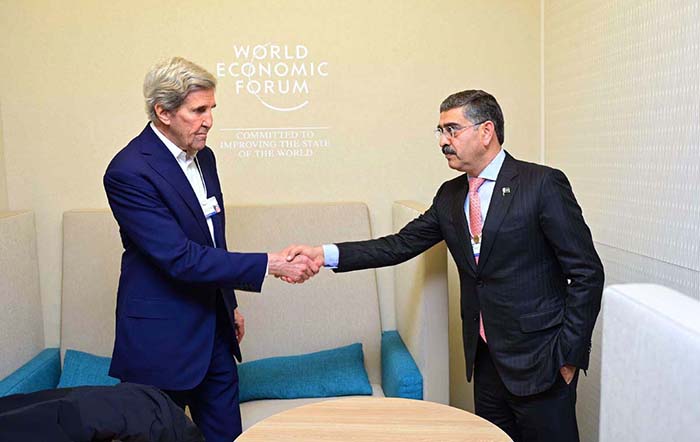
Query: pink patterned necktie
x=475, y=226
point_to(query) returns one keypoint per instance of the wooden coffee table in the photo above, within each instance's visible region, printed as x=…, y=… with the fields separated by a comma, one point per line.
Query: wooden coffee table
x=374, y=419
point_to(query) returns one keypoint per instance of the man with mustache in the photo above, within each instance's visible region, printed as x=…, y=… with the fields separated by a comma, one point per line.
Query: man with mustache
x=531, y=281
x=178, y=326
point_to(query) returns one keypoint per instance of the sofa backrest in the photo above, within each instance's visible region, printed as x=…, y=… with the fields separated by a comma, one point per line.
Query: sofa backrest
x=326, y=312
x=650, y=362
x=330, y=310
x=21, y=318
x=91, y=261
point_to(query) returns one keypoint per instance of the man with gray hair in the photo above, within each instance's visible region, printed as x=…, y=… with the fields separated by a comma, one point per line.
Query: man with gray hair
x=177, y=322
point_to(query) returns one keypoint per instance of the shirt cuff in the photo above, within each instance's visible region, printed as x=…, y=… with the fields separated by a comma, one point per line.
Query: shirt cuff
x=331, y=256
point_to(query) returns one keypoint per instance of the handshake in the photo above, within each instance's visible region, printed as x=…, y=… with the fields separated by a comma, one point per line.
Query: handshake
x=296, y=263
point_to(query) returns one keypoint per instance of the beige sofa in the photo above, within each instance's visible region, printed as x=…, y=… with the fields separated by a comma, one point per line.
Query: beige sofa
x=327, y=312
x=21, y=322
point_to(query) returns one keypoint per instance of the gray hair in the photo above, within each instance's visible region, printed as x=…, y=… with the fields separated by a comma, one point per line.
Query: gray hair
x=479, y=106
x=169, y=82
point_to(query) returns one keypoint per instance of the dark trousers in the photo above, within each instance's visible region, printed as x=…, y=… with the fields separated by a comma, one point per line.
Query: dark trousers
x=549, y=416
x=214, y=402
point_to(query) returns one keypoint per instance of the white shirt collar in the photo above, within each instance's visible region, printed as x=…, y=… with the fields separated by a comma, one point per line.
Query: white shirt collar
x=179, y=154
x=491, y=171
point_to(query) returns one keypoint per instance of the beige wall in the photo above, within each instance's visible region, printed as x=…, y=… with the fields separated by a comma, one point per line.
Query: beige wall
x=621, y=101
x=3, y=181
x=72, y=74
x=622, y=106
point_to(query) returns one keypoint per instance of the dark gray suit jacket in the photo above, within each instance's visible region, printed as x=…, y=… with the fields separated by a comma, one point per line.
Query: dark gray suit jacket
x=539, y=281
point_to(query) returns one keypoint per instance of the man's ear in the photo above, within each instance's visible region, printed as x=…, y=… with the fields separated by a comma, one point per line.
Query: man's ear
x=162, y=114
x=488, y=131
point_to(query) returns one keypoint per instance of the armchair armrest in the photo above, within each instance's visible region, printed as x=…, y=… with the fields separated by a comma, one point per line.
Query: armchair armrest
x=421, y=300
x=400, y=374
x=40, y=373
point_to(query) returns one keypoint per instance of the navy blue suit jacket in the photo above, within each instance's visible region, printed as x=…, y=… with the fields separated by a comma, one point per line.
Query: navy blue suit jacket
x=171, y=273
x=539, y=280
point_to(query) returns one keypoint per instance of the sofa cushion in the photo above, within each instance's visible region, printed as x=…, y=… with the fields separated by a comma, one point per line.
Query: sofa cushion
x=400, y=375
x=40, y=373
x=81, y=368
x=336, y=372
x=253, y=412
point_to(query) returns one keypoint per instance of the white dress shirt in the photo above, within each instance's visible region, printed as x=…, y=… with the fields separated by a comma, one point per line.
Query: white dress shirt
x=190, y=167
x=489, y=174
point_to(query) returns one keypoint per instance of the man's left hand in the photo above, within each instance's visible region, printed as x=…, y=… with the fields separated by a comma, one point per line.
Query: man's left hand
x=240, y=325
x=567, y=372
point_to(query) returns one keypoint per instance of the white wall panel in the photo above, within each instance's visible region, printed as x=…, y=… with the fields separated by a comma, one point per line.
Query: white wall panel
x=622, y=120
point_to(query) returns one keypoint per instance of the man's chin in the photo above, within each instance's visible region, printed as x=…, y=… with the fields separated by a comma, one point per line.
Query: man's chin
x=454, y=163
x=192, y=149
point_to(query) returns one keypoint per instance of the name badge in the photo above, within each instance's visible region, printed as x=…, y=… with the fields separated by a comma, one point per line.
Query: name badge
x=210, y=207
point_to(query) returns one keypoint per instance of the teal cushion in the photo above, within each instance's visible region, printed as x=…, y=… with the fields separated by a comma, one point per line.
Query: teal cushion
x=400, y=374
x=85, y=369
x=336, y=372
x=40, y=373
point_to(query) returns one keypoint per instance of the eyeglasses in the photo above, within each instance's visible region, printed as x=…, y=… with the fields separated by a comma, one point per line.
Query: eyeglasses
x=451, y=131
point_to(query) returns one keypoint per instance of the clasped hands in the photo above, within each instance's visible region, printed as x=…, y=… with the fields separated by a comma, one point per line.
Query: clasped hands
x=296, y=263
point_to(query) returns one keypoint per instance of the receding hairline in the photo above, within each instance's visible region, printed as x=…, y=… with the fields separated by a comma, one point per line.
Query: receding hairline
x=169, y=82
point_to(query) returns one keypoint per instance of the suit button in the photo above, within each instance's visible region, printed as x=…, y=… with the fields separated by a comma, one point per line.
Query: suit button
x=476, y=318
x=479, y=283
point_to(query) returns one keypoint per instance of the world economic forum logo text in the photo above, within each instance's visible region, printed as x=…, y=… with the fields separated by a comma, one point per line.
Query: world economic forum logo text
x=274, y=74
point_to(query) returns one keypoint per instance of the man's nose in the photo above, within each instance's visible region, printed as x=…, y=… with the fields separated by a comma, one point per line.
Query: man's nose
x=208, y=120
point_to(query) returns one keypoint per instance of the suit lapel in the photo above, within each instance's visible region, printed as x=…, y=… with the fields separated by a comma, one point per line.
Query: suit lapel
x=460, y=221
x=498, y=207
x=209, y=176
x=162, y=161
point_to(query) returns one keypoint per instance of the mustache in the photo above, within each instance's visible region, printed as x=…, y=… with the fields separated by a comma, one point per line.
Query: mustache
x=447, y=149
